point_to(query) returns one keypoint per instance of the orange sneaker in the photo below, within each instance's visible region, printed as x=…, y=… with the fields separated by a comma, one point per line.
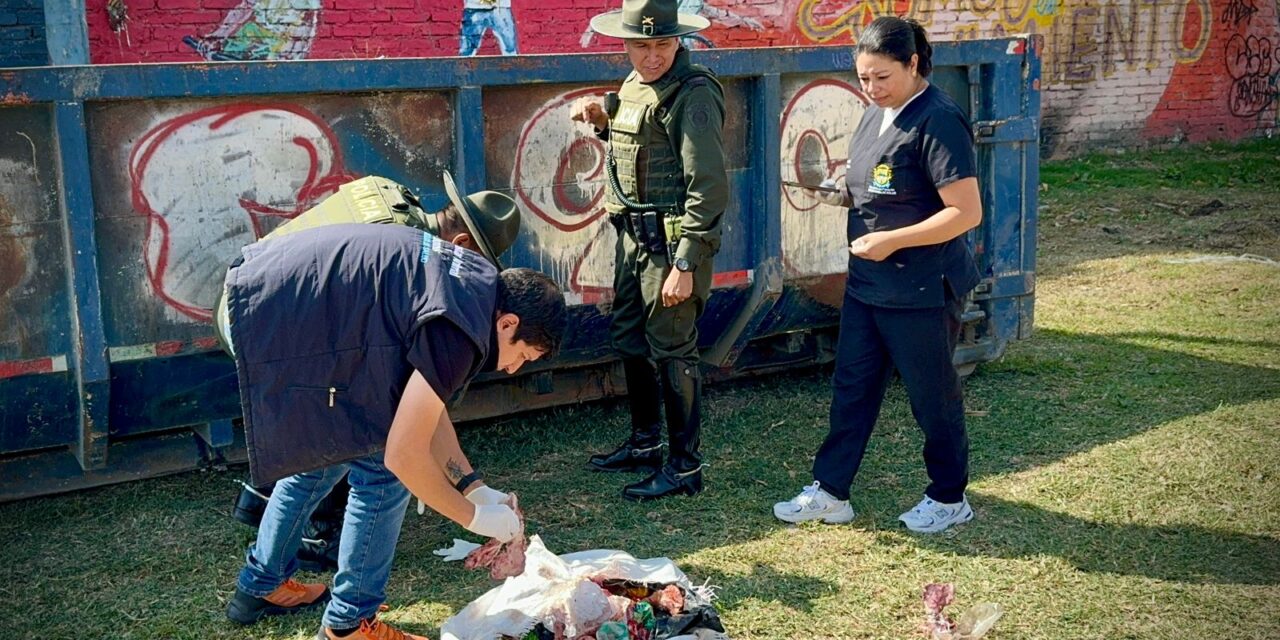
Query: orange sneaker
x=372, y=629
x=290, y=597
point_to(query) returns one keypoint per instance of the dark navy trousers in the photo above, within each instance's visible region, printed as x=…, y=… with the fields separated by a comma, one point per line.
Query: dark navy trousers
x=919, y=343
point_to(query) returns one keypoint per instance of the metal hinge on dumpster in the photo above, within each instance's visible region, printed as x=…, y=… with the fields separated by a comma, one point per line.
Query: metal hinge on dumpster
x=1005, y=286
x=1016, y=129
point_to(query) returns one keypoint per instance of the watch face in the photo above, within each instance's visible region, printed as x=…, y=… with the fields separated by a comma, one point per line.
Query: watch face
x=682, y=264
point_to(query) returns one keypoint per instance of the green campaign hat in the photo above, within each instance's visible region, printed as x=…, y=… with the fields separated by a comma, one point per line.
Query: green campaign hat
x=492, y=218
x=647, y=19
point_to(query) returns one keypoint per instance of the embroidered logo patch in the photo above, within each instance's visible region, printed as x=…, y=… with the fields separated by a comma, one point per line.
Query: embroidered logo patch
x=700, y=117
x=425, y=255
x=882, y=180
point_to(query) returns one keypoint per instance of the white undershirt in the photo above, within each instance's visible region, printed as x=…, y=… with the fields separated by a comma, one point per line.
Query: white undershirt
x=890, y=114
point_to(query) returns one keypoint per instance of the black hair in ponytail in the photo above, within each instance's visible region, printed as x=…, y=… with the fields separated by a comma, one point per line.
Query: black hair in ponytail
x=897, y=38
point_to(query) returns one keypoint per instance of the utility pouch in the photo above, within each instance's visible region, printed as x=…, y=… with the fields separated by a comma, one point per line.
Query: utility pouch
x=673, y=226
x=649, y=233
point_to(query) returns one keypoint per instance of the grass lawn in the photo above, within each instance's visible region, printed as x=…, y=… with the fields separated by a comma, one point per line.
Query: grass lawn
x=1124, y=468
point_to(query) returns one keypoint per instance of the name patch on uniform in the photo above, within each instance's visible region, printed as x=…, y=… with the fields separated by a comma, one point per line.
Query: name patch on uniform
x=425, y=254
x=455, y=268
x=882, y=181
x=630, y=117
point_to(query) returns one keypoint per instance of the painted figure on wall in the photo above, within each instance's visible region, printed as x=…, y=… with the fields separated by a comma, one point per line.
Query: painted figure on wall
x=491, y=15
x=717, y=15
x=261, y=30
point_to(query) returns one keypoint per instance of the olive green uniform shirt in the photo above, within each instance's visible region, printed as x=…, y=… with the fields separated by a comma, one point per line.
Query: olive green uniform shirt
x=666, y=139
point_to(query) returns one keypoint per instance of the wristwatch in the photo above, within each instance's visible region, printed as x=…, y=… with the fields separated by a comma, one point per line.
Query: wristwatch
x=683, y=265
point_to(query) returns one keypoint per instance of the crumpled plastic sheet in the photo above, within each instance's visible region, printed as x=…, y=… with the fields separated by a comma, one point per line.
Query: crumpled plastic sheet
x=560, y=589
x=973, y=624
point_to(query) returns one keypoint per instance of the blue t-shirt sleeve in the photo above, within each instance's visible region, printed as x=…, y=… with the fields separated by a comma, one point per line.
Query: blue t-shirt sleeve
x=946, y=148
x=444, y=355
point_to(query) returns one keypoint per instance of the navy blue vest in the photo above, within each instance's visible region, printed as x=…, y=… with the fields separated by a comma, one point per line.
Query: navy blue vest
x=322, y=320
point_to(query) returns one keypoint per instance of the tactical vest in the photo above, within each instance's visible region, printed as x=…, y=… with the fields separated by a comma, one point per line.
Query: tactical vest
x=649, y=166
x=371, y=200
x=367, y=200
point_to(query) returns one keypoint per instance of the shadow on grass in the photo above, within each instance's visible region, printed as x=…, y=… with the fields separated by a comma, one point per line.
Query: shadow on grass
x=1054, y=397
x=1060, y=395
x=763, y=584
x=1189, y=554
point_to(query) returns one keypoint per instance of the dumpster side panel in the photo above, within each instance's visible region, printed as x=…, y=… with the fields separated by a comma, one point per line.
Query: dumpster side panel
x=182, y=185
x=159, y=174
x=37, y=399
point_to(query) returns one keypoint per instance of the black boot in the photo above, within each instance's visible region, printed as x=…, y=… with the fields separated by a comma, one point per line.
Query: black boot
x=251, y=503
x=319, y=550
x=643, y=449
x=682, y=395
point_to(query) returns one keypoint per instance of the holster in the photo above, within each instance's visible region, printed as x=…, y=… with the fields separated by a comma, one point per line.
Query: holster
x=648, y=229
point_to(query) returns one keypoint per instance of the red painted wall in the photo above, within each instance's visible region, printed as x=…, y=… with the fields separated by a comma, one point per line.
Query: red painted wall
x=1119, y=72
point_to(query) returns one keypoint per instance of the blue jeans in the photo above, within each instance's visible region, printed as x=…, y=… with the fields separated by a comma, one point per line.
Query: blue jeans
x=370, y=529
x=498, y=20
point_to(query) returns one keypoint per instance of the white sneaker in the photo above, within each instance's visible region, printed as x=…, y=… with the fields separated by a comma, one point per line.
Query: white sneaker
x=932, y=517
x=814, y=503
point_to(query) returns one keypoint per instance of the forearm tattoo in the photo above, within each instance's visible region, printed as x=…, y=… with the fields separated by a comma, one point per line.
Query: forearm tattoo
x=455, y=470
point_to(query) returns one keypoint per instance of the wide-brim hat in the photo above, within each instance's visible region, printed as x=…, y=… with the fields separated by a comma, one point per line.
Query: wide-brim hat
x=648, y=19
x=492, y=218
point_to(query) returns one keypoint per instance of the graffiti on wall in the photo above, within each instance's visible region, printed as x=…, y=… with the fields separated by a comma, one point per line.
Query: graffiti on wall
x=558, y=177
x=1126, y=69
x=1252, y=57
x=559, y=181
x=719, y=15
x=212, y=181
x=261, y=30
x=479, y=16
x=1252, y=63
x=1238, y=12
x=817, y=122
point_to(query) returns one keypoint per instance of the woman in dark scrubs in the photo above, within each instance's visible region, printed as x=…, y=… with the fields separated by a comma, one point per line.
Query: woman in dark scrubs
x=912, y=192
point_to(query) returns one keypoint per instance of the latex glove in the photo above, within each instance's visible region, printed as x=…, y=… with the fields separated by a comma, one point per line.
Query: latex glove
x=459, y=551
x=496, y=521
x=837, y=199
x=485, y=494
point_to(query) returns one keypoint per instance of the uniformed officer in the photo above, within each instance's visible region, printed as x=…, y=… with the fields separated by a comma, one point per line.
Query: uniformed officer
x=911, y=189
x=667, y=191
x=486, y=222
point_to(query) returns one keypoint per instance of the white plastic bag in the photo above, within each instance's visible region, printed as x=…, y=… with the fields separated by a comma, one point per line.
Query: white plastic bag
x=550, y=582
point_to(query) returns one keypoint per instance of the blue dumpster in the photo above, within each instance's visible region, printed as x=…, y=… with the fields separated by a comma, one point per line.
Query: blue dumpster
x=126, y=190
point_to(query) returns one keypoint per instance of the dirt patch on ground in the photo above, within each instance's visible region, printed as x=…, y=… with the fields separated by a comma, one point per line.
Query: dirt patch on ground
x=1076, y=227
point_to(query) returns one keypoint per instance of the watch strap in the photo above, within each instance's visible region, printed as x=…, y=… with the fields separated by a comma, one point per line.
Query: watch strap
x=466, y=481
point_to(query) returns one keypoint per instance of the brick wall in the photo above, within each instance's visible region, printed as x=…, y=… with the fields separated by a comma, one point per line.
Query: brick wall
x=22, y=41
x=1116, y=72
